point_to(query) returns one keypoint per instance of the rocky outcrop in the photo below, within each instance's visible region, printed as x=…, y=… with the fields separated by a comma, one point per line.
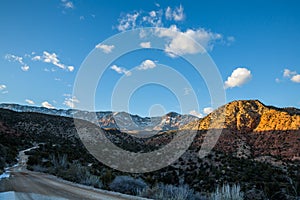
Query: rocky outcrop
x=254, y=127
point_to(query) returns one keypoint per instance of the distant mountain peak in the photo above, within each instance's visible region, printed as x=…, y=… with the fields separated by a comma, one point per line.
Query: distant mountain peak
x=249, y=115
x=122, y=121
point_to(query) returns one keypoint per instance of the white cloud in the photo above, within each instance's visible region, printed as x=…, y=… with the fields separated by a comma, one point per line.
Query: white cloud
x=29, y=101
x=179, y=42
x=187, y=91
x=71, y=68
x=53, y=59
x=296, y=78
x=19, y=59
x=154, y=18
x=46, y=104
x=143, y=33
x=120, y=70
x=147, y=64
x=288, y=73
x=145, y=44
x=230, y=39
x=128, y=21
x=152, y=13
x=186, y=42
x=2, y=87
x=195, y=113
x=292, y=75
x=238, y=77
x=68, y=4
x=168, y=13
x=25, y=68
x=14, y=58
x=277, y=80
x=36, y=58
x=105, y=48
x=81, y=18
x=178, y=14
x=71, y=101
x=207, y=110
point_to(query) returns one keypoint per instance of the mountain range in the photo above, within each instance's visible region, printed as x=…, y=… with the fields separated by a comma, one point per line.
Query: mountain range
x=123, y=121
x=259, y=145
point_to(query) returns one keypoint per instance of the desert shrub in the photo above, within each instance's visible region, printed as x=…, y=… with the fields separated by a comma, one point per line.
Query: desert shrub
x=227, y=192
x=170, y=192
x=80, y=174
x=127, y=185
x=107, y=178
x=91, y=180
x=60, y=161
x=38, y=168
x=33, y=160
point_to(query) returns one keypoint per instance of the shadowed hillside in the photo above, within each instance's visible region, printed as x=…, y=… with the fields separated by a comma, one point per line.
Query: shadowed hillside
x=258, y=150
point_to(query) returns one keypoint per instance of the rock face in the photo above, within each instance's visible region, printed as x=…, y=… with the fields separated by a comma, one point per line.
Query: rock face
x=249, y=115
x=252, y=127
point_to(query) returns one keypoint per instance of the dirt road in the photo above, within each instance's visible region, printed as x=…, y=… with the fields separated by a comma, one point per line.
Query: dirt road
x=28, y=182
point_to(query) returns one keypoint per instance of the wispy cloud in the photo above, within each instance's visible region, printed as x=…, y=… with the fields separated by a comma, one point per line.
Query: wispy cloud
x=29, y=101
x=277, y=80
x=196, y=113
x=46, y=104
x=145, y=44
x=128, y=21
x=67, y=4
x=176, y=14
x=153, y=18
x=53, y=59
x=239, y=77
x=70, y=101
x=25, y=68
x=288, y=73
x=207, y=110
x=187, y=91
x=18, y=59
x=147, y=64
x=120, y=70
x=105, y=48
x=179, y=41
x=36, y=58
x=168, y=13
x=2, y=87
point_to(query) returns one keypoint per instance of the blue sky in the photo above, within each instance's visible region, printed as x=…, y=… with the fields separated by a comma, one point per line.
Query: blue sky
x=254, y=44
